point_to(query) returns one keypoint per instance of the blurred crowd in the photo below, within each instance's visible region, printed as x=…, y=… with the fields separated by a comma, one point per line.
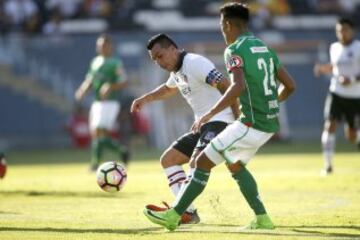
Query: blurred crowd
x=44, y=16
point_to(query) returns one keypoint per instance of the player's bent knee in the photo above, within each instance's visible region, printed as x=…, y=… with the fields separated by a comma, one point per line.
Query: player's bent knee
x=235, y=167
x=203, y=162
x=192, y=162
x=351, y=135
x=330, y=126
x=165, y=159
x=173, y=157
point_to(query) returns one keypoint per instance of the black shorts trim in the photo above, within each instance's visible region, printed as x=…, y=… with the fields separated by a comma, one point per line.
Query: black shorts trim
x=188, y=142
x=339, y=108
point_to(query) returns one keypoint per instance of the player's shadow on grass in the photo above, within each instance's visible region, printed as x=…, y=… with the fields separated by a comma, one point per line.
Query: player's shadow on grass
x=142, y=231
x=99, y=194
x=354, y=227
x=291, y=231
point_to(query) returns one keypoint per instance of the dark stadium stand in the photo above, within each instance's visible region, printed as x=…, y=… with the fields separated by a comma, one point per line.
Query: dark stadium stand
x=22, y=116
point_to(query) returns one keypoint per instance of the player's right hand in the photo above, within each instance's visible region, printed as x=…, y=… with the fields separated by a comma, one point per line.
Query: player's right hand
x=317, y=70
x=137, y=105
x=320, y=69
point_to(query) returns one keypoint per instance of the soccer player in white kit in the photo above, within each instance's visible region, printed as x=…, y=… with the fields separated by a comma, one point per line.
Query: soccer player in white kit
x=202, y=85
x=343, y=100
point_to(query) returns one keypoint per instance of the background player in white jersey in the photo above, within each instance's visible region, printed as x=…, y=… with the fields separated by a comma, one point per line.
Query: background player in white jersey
x=343, y=100
x=201, y=84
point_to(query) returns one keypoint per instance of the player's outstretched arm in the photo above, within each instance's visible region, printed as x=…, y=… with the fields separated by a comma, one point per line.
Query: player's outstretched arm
x=159, y=93
x=107, y=88
x=288, y=84
x=83, y=89
x=222, y=86
x=320, y=69
x=230, y=96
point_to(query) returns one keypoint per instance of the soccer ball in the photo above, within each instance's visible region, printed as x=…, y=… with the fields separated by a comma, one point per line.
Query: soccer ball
x=111, y=176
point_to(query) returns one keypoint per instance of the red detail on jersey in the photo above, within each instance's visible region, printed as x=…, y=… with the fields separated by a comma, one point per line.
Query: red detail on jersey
x=234, y=62
x=248, y=124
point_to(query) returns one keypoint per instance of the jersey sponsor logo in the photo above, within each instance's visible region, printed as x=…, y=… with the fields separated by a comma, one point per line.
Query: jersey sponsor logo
x=263, y=49
x=273, y=104
x=272, y=116
x=235, y=61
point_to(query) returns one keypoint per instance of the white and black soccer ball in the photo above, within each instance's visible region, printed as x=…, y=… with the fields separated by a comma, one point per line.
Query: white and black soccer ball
x=111, y=176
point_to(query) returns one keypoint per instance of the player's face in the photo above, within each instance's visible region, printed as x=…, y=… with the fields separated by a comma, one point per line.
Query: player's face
x=344, y=33
x=225, y=29
x=166, y=58
x=103, y=47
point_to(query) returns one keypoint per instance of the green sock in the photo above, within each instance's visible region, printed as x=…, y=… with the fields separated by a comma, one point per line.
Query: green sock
x=113, y=145
x=96, y=151
x=191, y=190
x=249, y=189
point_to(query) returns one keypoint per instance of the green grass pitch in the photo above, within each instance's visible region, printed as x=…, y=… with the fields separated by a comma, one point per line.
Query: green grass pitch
x=51, y=195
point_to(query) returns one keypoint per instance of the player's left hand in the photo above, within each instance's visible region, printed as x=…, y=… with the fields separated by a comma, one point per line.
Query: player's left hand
x=201, y=121
x=105, y=90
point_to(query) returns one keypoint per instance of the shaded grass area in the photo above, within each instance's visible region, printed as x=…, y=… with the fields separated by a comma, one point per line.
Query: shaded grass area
x=141, y=153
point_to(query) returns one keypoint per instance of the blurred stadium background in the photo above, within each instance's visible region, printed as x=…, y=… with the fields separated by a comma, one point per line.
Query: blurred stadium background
x=46, y=46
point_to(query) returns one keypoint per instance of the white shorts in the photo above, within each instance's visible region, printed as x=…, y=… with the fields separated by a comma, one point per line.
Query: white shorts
x=236, y=143
x=103, y=114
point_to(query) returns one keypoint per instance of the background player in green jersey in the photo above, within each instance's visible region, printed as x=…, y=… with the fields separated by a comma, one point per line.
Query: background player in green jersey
x=105, y=77
x=253, y=69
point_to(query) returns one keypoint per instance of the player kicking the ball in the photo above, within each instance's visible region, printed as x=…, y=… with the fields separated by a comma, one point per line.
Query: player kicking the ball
x=253, y=69
x=202, y=85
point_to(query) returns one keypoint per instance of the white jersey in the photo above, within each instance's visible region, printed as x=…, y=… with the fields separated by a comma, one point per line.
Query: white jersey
x=191, y=80
x=346, y=62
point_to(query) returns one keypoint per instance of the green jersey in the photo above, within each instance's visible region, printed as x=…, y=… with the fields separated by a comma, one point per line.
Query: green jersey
x=105, y=70
x=259, y=101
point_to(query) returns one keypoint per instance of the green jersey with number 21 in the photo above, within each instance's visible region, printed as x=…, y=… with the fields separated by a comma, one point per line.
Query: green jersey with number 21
x=259, y=101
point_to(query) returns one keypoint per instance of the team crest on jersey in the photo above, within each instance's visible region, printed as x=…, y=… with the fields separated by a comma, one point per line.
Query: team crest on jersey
x=183, y=83
x=181, y=78
x=235, y=61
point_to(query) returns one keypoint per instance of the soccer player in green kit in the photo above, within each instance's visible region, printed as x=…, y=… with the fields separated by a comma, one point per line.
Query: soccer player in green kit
x=105, y=77
x=253, y=68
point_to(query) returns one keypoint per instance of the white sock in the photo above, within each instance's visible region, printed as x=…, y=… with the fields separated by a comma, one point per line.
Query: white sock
x=176, y=176
x=328, y=145
x=191, y=208
x=358, y=137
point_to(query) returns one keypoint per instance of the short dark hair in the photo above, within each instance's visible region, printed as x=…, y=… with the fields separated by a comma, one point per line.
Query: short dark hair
x=347, y=21
x=106, y=37
x=235, y=10
x=164, y=40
